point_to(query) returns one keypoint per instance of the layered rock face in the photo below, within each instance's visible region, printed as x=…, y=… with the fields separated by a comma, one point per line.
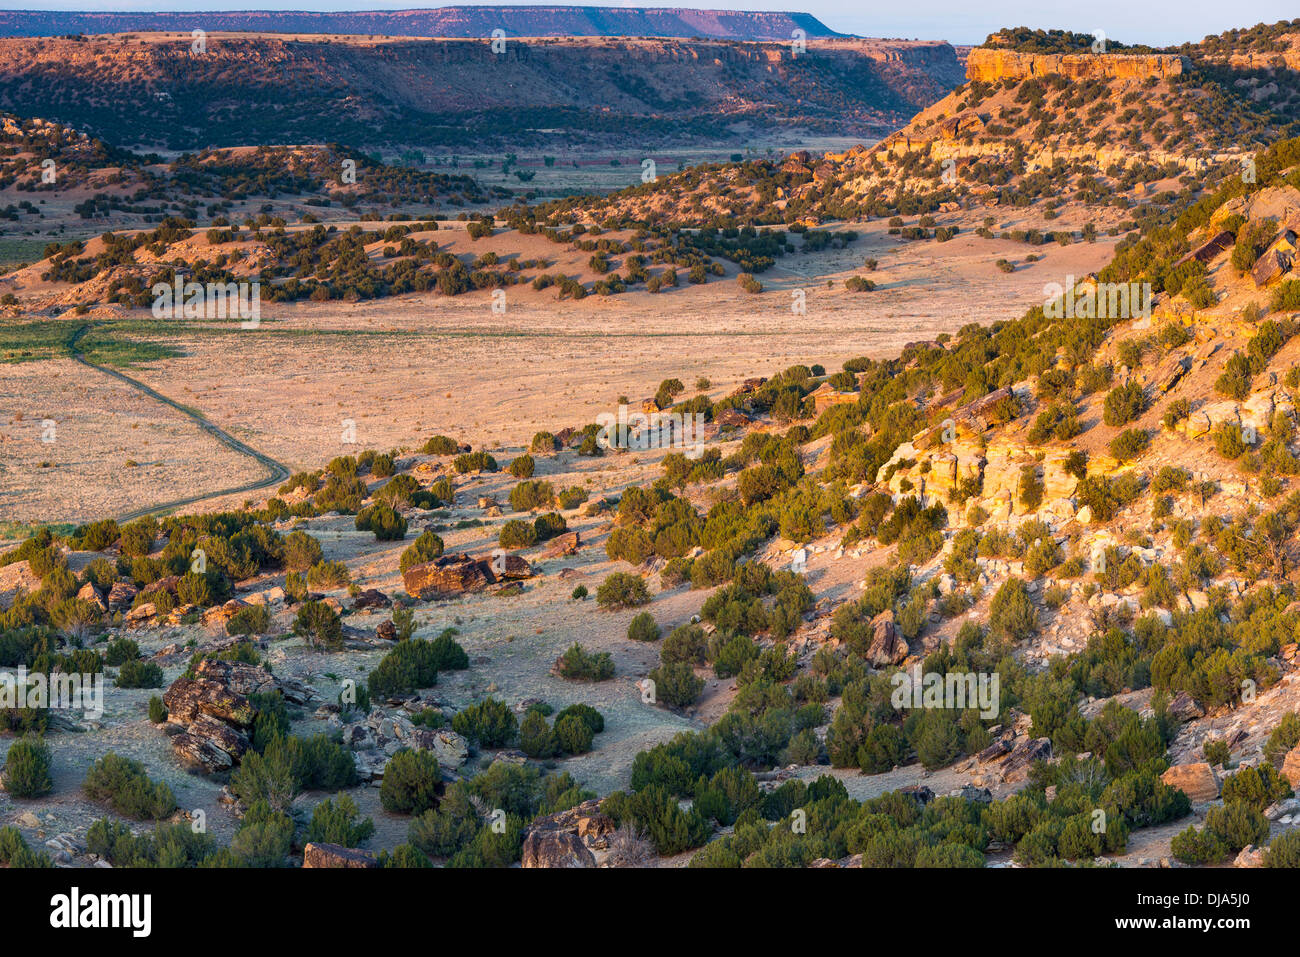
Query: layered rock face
x=990, y=65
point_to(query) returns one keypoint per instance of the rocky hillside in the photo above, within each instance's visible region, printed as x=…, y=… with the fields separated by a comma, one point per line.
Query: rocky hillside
x=150, y=90
x=1099, y=511
x=1035, y=125
x=466, y=21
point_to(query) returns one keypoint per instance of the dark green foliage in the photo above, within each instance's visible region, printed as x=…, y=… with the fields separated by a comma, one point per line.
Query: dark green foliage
x=676, y=684
x=412, y=783
x=124, y=786
x=140, y=674
x=385, y=521
x=622, y=590
x=334, y=821
x=27, y=769
x=410, y=665
x=490, y=723
x=578, y=664
x=121, y=651
x=426, y=547
x=318, y=623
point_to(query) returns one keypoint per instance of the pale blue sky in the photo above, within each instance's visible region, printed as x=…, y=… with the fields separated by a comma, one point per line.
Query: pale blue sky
x=1158, y=22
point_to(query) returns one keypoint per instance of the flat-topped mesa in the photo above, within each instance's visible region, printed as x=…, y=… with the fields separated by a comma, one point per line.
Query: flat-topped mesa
x=989, y=65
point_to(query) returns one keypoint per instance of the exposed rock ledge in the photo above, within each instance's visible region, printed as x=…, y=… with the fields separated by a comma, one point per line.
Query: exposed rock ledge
x=990, y=65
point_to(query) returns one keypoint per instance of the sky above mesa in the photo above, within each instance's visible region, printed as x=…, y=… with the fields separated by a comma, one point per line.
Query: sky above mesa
x=1157, y=22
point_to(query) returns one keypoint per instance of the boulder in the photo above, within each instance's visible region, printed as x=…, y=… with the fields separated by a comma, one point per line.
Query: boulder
x=450, y=748
x=336, y=855
x=993, y=752
x=1197, y=781
x=372, y=598
x=1184, y=707
x=887, y=645
x=447, y=576
x=141, y=614
x=220, y=614
x=1024, y=754
x=555, y=848
x=511, y=567
x=919, y=793
x=167, y=584
x=386, y=631
x=564, y=545
x=1291, y=767
x=187, y=698
x=969, y=792
x=238, y=676
x=121, y=595
x=210, y=745
x=1250, y=856
x=90, y=594
x=15, y=578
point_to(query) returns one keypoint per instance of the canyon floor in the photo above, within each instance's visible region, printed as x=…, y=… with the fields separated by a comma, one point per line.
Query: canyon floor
x=401, y=369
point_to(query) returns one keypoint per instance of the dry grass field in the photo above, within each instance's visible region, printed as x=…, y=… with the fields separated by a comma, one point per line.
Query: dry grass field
x=403, y=368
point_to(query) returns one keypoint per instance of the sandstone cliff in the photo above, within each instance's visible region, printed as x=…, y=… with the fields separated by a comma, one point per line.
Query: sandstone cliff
x=990, y=65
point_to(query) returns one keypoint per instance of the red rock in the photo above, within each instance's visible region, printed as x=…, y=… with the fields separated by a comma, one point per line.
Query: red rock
x=336, y=855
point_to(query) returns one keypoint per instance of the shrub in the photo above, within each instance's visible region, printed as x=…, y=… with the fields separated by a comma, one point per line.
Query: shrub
x=27, y=769
x=572, y=735
x=1012, y=615
x=384, y=520
x=1284, y=851
x=1257, y=787
x=15, y=853
x=643, y=628
x=490, y=723
x=253, y=620
x=157, y=710
x=334, y=821
x=1129, y=444
x=440, y=445
x=329, y=575
x=589, y=715
x=120, y=651
x=529, y=496
x=426, y=547
x=123, y=784
x=684, y=643
x=676, y=684
x=140, y=674
x=522, y=467
x=301, y=551
x=474, y=462
x=1123, y=404
x=137, y=538
x=578, y=664
x=622, y=590
x=409, y=666
x=412, y=783
x=317, y=623
x=535, y=736
x=517, y=534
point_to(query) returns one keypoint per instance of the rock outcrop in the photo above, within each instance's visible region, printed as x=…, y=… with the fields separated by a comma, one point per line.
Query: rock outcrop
x=566, y=838
x=1197, y=781
x=992, y=65
x=336, y=855
x=215, y=713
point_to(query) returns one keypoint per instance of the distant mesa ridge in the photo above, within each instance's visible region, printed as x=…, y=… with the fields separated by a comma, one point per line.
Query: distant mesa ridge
x=476, y=21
